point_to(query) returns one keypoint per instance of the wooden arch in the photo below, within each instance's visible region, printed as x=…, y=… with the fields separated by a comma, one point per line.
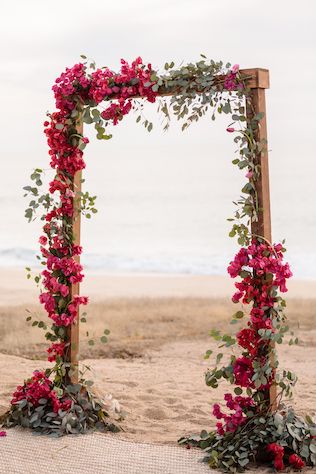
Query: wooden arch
x=257, y=80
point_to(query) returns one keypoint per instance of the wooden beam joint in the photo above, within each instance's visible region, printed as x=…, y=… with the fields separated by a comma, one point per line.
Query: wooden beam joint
x=257, y=78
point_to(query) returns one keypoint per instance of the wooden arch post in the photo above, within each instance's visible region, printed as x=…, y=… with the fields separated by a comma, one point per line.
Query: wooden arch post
x=258, y=83
x=72, y=355
x=257, y=80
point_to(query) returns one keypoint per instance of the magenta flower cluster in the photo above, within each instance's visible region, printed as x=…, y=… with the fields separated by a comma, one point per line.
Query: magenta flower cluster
x=238, y=406
x=262, y=272
x=38, y=387
x=73, y=88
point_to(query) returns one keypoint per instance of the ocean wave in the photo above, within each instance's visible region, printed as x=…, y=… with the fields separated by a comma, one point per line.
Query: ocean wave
x=17, y=257
x=303, y=266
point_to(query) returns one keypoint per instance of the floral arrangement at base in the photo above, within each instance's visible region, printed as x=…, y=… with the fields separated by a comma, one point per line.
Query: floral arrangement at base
x=280, y=439
x=250, y=430
x=59, y=410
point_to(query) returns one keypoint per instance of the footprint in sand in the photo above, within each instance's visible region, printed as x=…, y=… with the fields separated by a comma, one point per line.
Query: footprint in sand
x=123, y=382
x=198, y=411
x=180, y=417
x=155, y=413
x=154, y=392
x=179, y=407
x=170, y=400
x=148, y=398
x=123, y=396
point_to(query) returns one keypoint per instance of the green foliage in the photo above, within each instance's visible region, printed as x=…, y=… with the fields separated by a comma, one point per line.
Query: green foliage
x=86, y=413
x=87, y=204
x=38, y=201
x=235, y=452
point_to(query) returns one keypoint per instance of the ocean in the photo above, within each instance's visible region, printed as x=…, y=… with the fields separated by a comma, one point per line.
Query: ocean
x=163, y=201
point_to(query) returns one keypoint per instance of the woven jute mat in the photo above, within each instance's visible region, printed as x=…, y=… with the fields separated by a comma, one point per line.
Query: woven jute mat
x=23, y=453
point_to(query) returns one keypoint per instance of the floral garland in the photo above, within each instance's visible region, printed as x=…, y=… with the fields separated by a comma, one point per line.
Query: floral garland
x=77, y=95
x=72, y=89
x=195, y=89
x=262, y=271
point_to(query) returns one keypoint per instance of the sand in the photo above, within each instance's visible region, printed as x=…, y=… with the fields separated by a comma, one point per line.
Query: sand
x=153, y=364
x=16, y=289
x=163, y=393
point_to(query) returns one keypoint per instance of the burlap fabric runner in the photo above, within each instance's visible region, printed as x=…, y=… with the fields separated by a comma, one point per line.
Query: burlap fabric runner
x=23, y=453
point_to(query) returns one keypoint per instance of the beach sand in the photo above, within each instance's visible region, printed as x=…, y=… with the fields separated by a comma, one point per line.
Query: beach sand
x=153, y=363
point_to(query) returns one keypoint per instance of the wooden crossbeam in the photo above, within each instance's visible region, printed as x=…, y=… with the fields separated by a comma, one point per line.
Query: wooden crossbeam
x=257, y=80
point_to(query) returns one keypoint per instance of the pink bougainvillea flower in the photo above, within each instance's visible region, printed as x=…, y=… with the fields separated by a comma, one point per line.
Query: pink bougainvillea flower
x=238, y=406
x=249, y=174
x=230, y=82
x=243, y=371
x=235, y=68
x=3, y=433
x=277, y=452
x=43, y=240
x=278, y=463
x=64, y=290
x=248, y=339
x=56, y=349
x=296, y=461
x=241, y=259
x=220, y=428
x=37, y=387
x=275, y=449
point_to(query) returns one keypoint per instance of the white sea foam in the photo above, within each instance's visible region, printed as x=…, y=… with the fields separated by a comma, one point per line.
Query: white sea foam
x=302, y=265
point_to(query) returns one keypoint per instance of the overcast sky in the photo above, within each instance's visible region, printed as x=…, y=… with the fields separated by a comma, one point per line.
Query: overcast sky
x=40, y=38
